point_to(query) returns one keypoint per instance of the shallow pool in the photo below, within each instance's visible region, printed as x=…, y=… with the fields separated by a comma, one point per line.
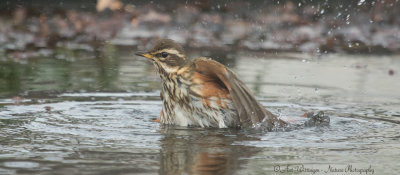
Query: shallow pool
x=93, y=115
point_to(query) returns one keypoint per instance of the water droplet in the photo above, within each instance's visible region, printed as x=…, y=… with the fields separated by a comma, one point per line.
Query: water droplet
x=322, y=11
x=347, y=19
x=279, y=112
x=361, y=2
x=299, y=91
x=299, y=4
x=350, y=45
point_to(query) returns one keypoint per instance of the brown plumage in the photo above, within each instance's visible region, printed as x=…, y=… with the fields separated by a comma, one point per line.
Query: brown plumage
x=204, y=92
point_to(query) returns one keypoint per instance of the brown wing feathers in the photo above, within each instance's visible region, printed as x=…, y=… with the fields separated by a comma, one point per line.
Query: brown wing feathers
x=246, y=105
x=249, y=110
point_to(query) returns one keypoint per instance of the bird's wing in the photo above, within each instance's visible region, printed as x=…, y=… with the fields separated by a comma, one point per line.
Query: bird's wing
x=249, y=110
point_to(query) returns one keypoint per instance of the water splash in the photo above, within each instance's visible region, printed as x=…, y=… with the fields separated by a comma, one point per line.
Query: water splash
x=348, y=19
x=360, y=2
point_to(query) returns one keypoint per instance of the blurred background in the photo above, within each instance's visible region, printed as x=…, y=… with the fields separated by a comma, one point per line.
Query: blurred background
x=34, y=34
x=365, y=26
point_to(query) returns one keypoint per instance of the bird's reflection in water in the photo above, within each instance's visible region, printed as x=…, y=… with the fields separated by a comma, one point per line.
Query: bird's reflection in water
x=202, y=151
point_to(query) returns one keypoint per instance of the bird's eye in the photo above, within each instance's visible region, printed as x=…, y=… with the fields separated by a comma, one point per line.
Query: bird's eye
x=164, y=54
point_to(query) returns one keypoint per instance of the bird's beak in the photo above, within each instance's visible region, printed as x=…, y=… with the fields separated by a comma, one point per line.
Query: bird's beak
x=143, y=54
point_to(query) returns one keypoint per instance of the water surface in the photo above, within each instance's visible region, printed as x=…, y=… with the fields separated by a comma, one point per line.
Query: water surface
x=92, y=114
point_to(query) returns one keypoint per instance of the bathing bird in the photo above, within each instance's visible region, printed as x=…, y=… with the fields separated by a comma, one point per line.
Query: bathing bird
x=204, y=92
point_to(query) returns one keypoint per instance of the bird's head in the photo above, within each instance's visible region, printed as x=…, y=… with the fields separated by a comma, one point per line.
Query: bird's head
x=167, y=56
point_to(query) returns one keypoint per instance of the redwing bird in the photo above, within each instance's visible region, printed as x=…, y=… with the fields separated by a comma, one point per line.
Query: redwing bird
x=204, y=92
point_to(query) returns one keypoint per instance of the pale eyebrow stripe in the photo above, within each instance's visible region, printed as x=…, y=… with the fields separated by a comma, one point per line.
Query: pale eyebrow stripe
x=171, y=51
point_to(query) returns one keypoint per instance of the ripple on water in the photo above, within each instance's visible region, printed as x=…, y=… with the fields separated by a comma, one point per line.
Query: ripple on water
x=125, y=121
x=79, y=130
x=21, y=164
x=345, y=132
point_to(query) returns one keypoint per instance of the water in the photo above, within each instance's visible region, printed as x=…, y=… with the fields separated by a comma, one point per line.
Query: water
x=93, y=115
